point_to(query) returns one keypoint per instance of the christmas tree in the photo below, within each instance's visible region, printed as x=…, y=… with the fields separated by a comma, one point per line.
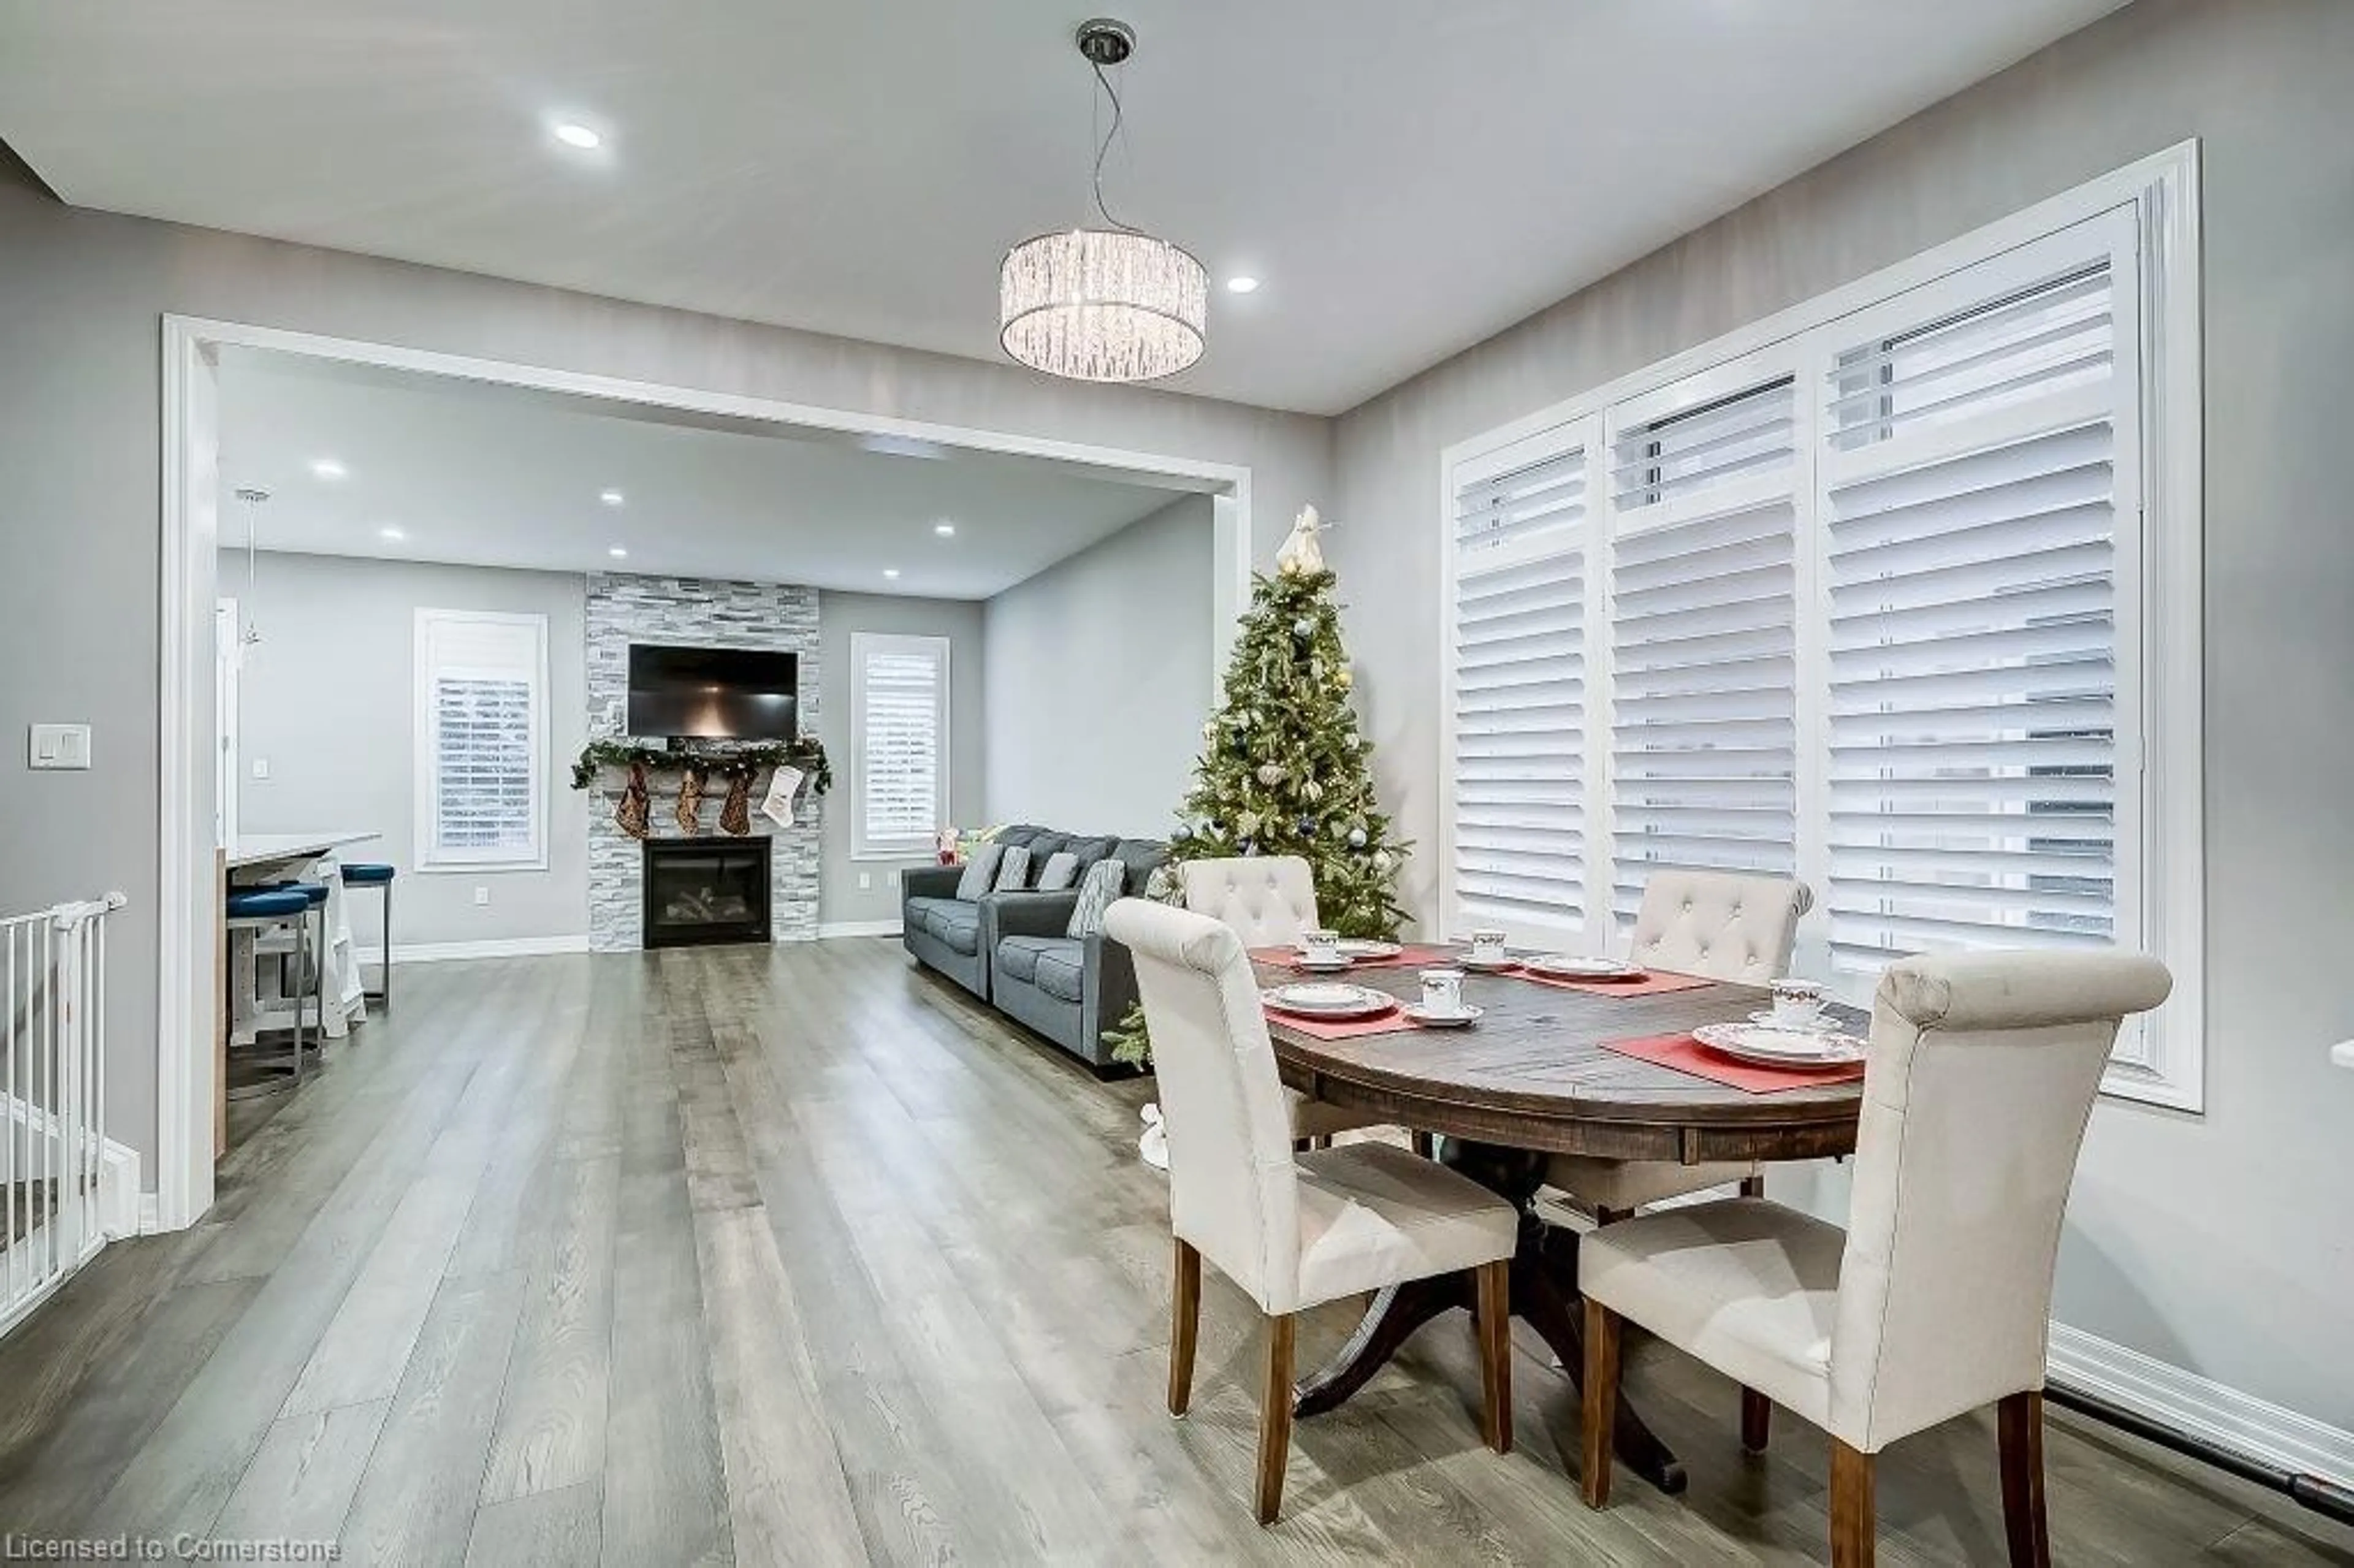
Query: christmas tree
x=1284, y=769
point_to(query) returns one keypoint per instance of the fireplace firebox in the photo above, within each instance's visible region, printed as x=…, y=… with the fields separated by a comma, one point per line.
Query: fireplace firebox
x=700, y=891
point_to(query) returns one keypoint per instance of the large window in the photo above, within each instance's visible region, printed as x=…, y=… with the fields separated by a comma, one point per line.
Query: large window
x=482, y=740
x=1897, y=595
x=899, y=732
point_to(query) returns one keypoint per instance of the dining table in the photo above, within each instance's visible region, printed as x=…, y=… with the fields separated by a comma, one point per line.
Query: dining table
x=1532, y=1077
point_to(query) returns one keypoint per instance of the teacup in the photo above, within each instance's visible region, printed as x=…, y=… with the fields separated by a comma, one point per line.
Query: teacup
x=1320, y=946
x=1797, y=1003
x=1488, y=947
x=1442, y=992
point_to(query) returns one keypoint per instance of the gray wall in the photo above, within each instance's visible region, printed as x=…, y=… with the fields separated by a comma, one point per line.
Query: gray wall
x=329, y=698
x=80, y=298
x=2216, y=1244
x=841, y=900
x=1100, y=679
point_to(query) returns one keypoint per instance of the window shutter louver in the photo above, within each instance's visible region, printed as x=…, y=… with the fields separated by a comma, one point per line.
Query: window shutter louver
x=482, y=677
x=1518, y=829
x=902, y=715
x=1969, y=489
x=1703, y=653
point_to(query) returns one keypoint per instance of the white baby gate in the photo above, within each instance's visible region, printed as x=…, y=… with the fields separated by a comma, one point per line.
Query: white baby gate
x=53, y=1098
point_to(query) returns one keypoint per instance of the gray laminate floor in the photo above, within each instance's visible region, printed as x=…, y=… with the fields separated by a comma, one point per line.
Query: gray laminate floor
x=800, y=1256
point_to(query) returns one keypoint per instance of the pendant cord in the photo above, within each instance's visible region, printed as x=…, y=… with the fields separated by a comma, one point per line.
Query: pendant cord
x=1104, y=147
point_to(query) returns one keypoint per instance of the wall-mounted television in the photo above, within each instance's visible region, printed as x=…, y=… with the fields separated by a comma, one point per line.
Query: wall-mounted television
x=715, y=693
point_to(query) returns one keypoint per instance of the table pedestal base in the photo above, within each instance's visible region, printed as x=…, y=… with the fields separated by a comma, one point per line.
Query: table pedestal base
x=1544, y=1293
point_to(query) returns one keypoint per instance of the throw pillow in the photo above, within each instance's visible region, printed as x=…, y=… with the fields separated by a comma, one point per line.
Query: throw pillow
x=1013, y=870
x=979, y=872
x=1098, y=892
x=1062, y=869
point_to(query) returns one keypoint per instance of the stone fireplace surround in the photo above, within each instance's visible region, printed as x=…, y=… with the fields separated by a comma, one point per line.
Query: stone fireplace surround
x=626, y=607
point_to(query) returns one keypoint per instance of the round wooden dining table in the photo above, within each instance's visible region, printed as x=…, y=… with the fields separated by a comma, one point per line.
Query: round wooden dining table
x=1531, y=1079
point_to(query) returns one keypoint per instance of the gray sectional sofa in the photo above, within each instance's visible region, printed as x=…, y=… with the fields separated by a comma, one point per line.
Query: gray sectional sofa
x=1009, y=949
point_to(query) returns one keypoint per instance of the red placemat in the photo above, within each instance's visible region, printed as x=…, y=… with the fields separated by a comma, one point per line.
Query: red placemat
x=1651, y=984
x=1410, y=955
x=1394, y=1021
x=1686, y=1054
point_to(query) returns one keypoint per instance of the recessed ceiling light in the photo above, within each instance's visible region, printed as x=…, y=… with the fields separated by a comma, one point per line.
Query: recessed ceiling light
x=891, y=571
x=612, y=497
x=1242, y=285
x=391, y=533
x=572, y=134
x=617, y=552
x=328, y=468
x=945, y=530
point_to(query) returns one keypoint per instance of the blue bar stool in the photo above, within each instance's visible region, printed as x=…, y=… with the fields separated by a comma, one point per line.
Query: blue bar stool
x=370, y=873
x=259, y=908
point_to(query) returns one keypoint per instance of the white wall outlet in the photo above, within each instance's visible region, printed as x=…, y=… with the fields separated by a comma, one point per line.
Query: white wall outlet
x=58, y=746
x=261, y=767
x=482, y=895
x=865, y=880
x=891, y=878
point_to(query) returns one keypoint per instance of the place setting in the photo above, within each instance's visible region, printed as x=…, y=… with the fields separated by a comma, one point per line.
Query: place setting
x=1333, y=1009
x=1795, y=1043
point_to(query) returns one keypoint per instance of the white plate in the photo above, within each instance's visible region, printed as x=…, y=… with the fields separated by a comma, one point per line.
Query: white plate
x=1486, y=966
x=1322, y=998
x=1800, y=1048
x=1366, y=947
x=1322, y=966
x=1442, y=1020
x=1567, y=966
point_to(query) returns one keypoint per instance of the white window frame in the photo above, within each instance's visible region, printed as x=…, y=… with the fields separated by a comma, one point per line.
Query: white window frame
x=430, y=856
x=864, y=645
x=2160, y=629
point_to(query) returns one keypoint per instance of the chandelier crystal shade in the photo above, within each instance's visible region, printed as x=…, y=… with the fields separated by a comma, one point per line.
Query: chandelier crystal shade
x=1113, y=303
x=1095, y=304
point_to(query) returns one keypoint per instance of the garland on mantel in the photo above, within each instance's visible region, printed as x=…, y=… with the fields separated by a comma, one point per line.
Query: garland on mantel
x=737, y=763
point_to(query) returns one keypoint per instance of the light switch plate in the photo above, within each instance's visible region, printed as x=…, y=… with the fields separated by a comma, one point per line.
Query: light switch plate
x=58, y=746
x=261, y=767
x=482, y=895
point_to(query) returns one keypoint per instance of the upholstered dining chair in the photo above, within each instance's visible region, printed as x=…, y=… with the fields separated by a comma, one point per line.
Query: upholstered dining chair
x=1293, y=1231
x=1936, y=1298
x=1726, y=926
x=1267, y=900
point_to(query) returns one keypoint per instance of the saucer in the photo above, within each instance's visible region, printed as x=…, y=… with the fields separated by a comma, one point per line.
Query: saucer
x=1487, y=966
x=1322, y=966
x=1428, y=1020
x=1822, y=1022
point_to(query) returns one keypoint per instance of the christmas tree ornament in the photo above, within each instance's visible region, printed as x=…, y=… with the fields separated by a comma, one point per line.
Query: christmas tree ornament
x=1356, y=838
x=1179, y=833
x=1270, y=773
x=1344, y=678
x=1302, y=556
x=1303, y=628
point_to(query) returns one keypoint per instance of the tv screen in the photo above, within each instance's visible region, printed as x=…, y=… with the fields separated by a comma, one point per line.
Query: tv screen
x=721, y=694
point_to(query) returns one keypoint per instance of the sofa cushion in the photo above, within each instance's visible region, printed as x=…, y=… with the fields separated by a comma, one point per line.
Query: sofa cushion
x=920, y=911
x=1019, y=833
x=1013, y=870
x=1018, y=956
x=1091, y=850
x=956, y=924
x=1062, y=967
x=1060, y=874
x=1099, y=890
x=1142, y=857
x=1044, y=844
x=979, y=871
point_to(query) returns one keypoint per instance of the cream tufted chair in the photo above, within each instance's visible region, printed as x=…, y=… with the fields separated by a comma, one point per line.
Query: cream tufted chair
x=1936, y=1298
x=1292, y=1231
x=1721, y=923
x=1267, y=900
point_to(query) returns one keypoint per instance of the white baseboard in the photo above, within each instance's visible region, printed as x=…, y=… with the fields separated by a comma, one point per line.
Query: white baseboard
x=833, y=928
x=2261, y=1430
x=495, y=947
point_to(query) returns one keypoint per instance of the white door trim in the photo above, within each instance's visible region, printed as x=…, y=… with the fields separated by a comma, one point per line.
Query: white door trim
x=191, y=446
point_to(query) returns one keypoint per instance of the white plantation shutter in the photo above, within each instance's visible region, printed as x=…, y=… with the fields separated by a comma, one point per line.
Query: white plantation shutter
x=1704, y=668
x=899, y=702
x=1971, y=512
x=1518, y=831
x=482, y=693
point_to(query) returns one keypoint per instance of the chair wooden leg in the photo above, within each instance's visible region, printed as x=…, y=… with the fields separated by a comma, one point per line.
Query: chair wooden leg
x=1184, y=1322
x=1753, y=1186
x=1495, y=1318
x=1852, y=1523
x=1756, y=1420
x=1424, y=1144
x=1601, y=1408
x=1275, y=1417
x=2020, y=1422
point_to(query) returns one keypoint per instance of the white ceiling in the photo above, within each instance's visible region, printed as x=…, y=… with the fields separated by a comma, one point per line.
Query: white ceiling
x=1405, y=178
x=484, y=475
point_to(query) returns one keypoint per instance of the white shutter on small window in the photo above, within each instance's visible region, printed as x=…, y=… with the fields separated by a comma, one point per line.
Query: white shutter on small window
x=1520, y=696
x=1703, y=656
x=480, y=678
x=902, y=724
x=1970, y=482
